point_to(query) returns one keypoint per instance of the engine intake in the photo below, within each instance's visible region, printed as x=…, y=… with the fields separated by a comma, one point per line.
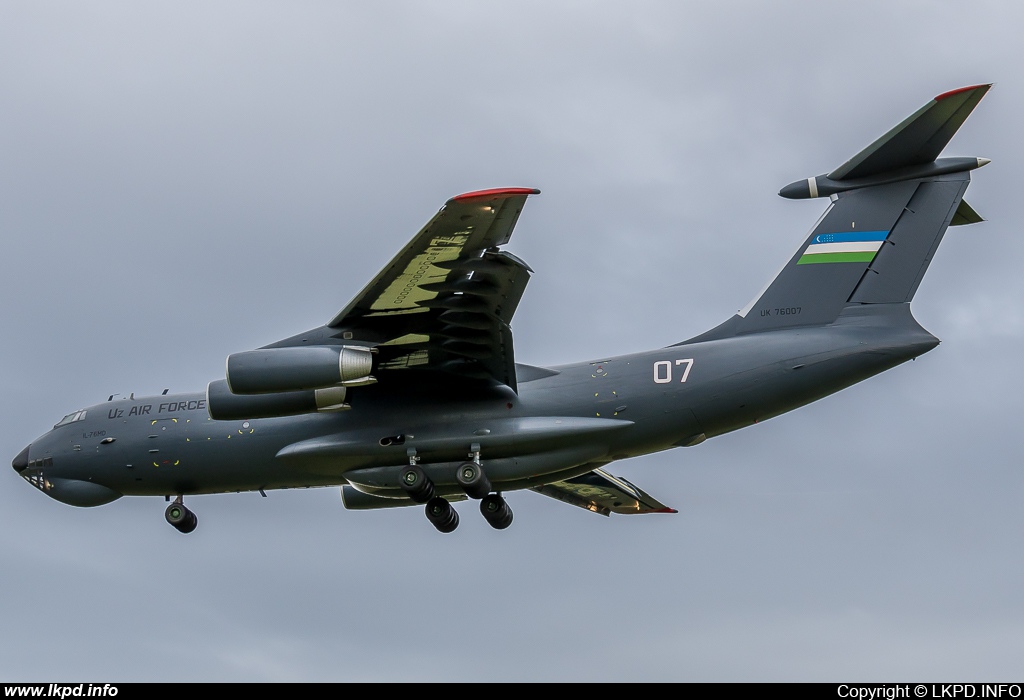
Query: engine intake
x=275, y=370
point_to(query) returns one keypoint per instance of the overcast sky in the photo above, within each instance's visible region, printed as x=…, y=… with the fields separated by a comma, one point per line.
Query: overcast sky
x=179, y=181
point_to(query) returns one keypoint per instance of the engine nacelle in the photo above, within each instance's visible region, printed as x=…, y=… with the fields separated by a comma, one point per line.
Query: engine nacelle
x=224, y=405
x=274, y=370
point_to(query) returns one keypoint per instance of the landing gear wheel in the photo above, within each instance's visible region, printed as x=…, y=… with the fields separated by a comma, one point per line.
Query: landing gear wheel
x=496, y=511
x=472, y=479
x=181, y=518
x=441, y=514
x=416, y=484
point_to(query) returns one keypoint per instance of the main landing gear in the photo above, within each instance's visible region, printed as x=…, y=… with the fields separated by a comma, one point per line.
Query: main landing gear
x=441, y=514
x=496, y=511
x=473, y=481
x=181, y=518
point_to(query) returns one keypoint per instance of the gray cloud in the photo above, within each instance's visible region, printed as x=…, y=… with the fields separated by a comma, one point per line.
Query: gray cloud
x=185, y=180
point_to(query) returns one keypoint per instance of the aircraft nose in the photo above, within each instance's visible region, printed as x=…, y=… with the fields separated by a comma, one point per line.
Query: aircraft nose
x=20, y=462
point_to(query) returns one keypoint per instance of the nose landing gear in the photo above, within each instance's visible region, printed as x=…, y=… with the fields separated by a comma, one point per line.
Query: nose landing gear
x=181, y=518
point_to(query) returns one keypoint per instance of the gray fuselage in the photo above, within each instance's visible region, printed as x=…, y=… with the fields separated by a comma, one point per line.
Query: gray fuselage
x=564, y=421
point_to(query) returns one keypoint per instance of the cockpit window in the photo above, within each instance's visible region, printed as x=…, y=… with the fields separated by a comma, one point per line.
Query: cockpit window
x=71, y=418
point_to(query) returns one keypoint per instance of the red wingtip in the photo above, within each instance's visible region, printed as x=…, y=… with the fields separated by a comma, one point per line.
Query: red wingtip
x=959, y=90
x=495, y=193
x=666, y=510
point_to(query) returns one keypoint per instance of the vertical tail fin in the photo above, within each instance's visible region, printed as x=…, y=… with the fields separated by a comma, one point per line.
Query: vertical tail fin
x=891, y=205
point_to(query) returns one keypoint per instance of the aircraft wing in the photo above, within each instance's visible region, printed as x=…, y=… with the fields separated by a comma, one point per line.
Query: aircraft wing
x=600, y=492
x=446, y=300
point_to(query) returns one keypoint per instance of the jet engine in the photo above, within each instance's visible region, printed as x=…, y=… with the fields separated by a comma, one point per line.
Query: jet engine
x=224, y=405
x=274, y=370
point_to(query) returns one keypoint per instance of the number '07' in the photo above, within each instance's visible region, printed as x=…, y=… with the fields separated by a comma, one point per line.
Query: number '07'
x=663, y=370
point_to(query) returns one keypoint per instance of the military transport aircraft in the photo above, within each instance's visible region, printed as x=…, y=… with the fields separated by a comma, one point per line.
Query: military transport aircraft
x=411, y=393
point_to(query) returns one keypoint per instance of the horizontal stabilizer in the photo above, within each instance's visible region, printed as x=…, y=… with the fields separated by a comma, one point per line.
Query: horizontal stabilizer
x=965, y=214
x=916, y=140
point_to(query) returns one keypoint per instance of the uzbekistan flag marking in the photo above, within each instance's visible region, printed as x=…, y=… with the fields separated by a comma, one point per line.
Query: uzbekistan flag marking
x=858, y=246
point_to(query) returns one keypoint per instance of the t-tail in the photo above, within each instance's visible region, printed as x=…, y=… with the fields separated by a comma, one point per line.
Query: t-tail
x=890, y=206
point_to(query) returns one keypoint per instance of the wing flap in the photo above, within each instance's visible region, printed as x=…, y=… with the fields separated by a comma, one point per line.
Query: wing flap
x=604, y=494
x=445, y=302
x=464, y=227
